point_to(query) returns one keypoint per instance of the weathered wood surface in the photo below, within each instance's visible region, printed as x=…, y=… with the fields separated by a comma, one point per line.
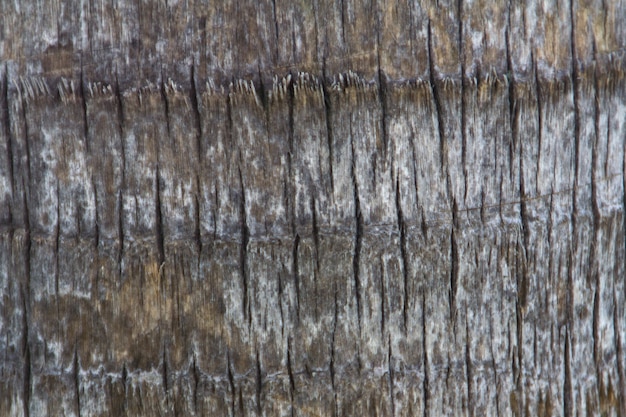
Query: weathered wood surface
x=315, y=208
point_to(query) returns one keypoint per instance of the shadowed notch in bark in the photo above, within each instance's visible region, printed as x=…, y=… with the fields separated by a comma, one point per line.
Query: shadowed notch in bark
x=443, y=149
x=403, y=258
x=76, y=368
x=425, y=364
x=568, y=406
x=296, y=272
x=358, y=235
x=454, y=263
x=243, y=255
x=26, y=350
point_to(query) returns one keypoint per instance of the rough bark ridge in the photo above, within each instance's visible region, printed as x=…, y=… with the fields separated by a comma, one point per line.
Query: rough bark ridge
x=317, y=208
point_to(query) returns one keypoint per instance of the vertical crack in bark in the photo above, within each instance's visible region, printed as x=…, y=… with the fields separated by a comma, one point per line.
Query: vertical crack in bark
x=463, y=101
x=568, y=394
x=259, y=384
x=494, y=364
x=595, y=212
x=120, y=219
x=159, y=218
x=618, y=329
x=426, y=381
x=76, y=376
x=316, y=237
x=195, y=106
x=124, y=380
x=383, y=296
x=403, y=258
x=329, y=127
x=539, y=102
x=568, y=405
x=96, y=214
x=358, y=235
x=522, y=272
x=469, y=368
x=392, y=399
x=437, y=99
x=243, y=254
x=7, y=130
x=164, y=376
x=296, y=273
x=292, y=381
x=231, y=382
x=332, y=349
x=454, y=262
x=57, y=246
x=382, y=95
x=196, y=382
x=25, y=337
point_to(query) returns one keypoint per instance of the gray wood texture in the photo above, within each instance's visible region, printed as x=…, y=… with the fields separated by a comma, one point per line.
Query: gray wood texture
x=327, y=208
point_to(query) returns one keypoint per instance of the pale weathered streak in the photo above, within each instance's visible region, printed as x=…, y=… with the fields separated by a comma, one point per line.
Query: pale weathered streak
x=317, y=208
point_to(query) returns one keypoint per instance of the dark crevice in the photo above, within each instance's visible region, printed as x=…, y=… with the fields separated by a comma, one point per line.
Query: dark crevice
x=494, y=366
x=539, y=101
x=164, y=379
x=120, y=126
x=159, y=217
x=196, y=211
x=77, y=382
x=382, y=96
x=166, y=107
x=469, y=371
x=329, y=128
x=596, y=226
x=292, y=381
x=7, y=130
x=316, y=235
x=437, y=100
x=296, y=273
x=243, y=255
x=463, y=103
x=568, y=404
x=454, y=263
x=383, y=296
x=195, y=106
x=403, y=258
x=618, y=330
x=198, y=125
x=426, y=381
x=231, y=382
x=259, y=384
x=196, y=383
x=332, y=351
x=596, y=328
x=26, y=344
x=358, y=235
x=57, y=246
x=574, y=215
x=124, y=380
x=392, y=399
x=96, y=214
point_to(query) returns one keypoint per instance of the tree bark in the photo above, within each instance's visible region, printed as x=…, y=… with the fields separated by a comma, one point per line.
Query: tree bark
x=317, y=208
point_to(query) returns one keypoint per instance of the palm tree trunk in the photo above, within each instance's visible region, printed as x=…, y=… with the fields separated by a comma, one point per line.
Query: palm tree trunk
x=317, y=208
